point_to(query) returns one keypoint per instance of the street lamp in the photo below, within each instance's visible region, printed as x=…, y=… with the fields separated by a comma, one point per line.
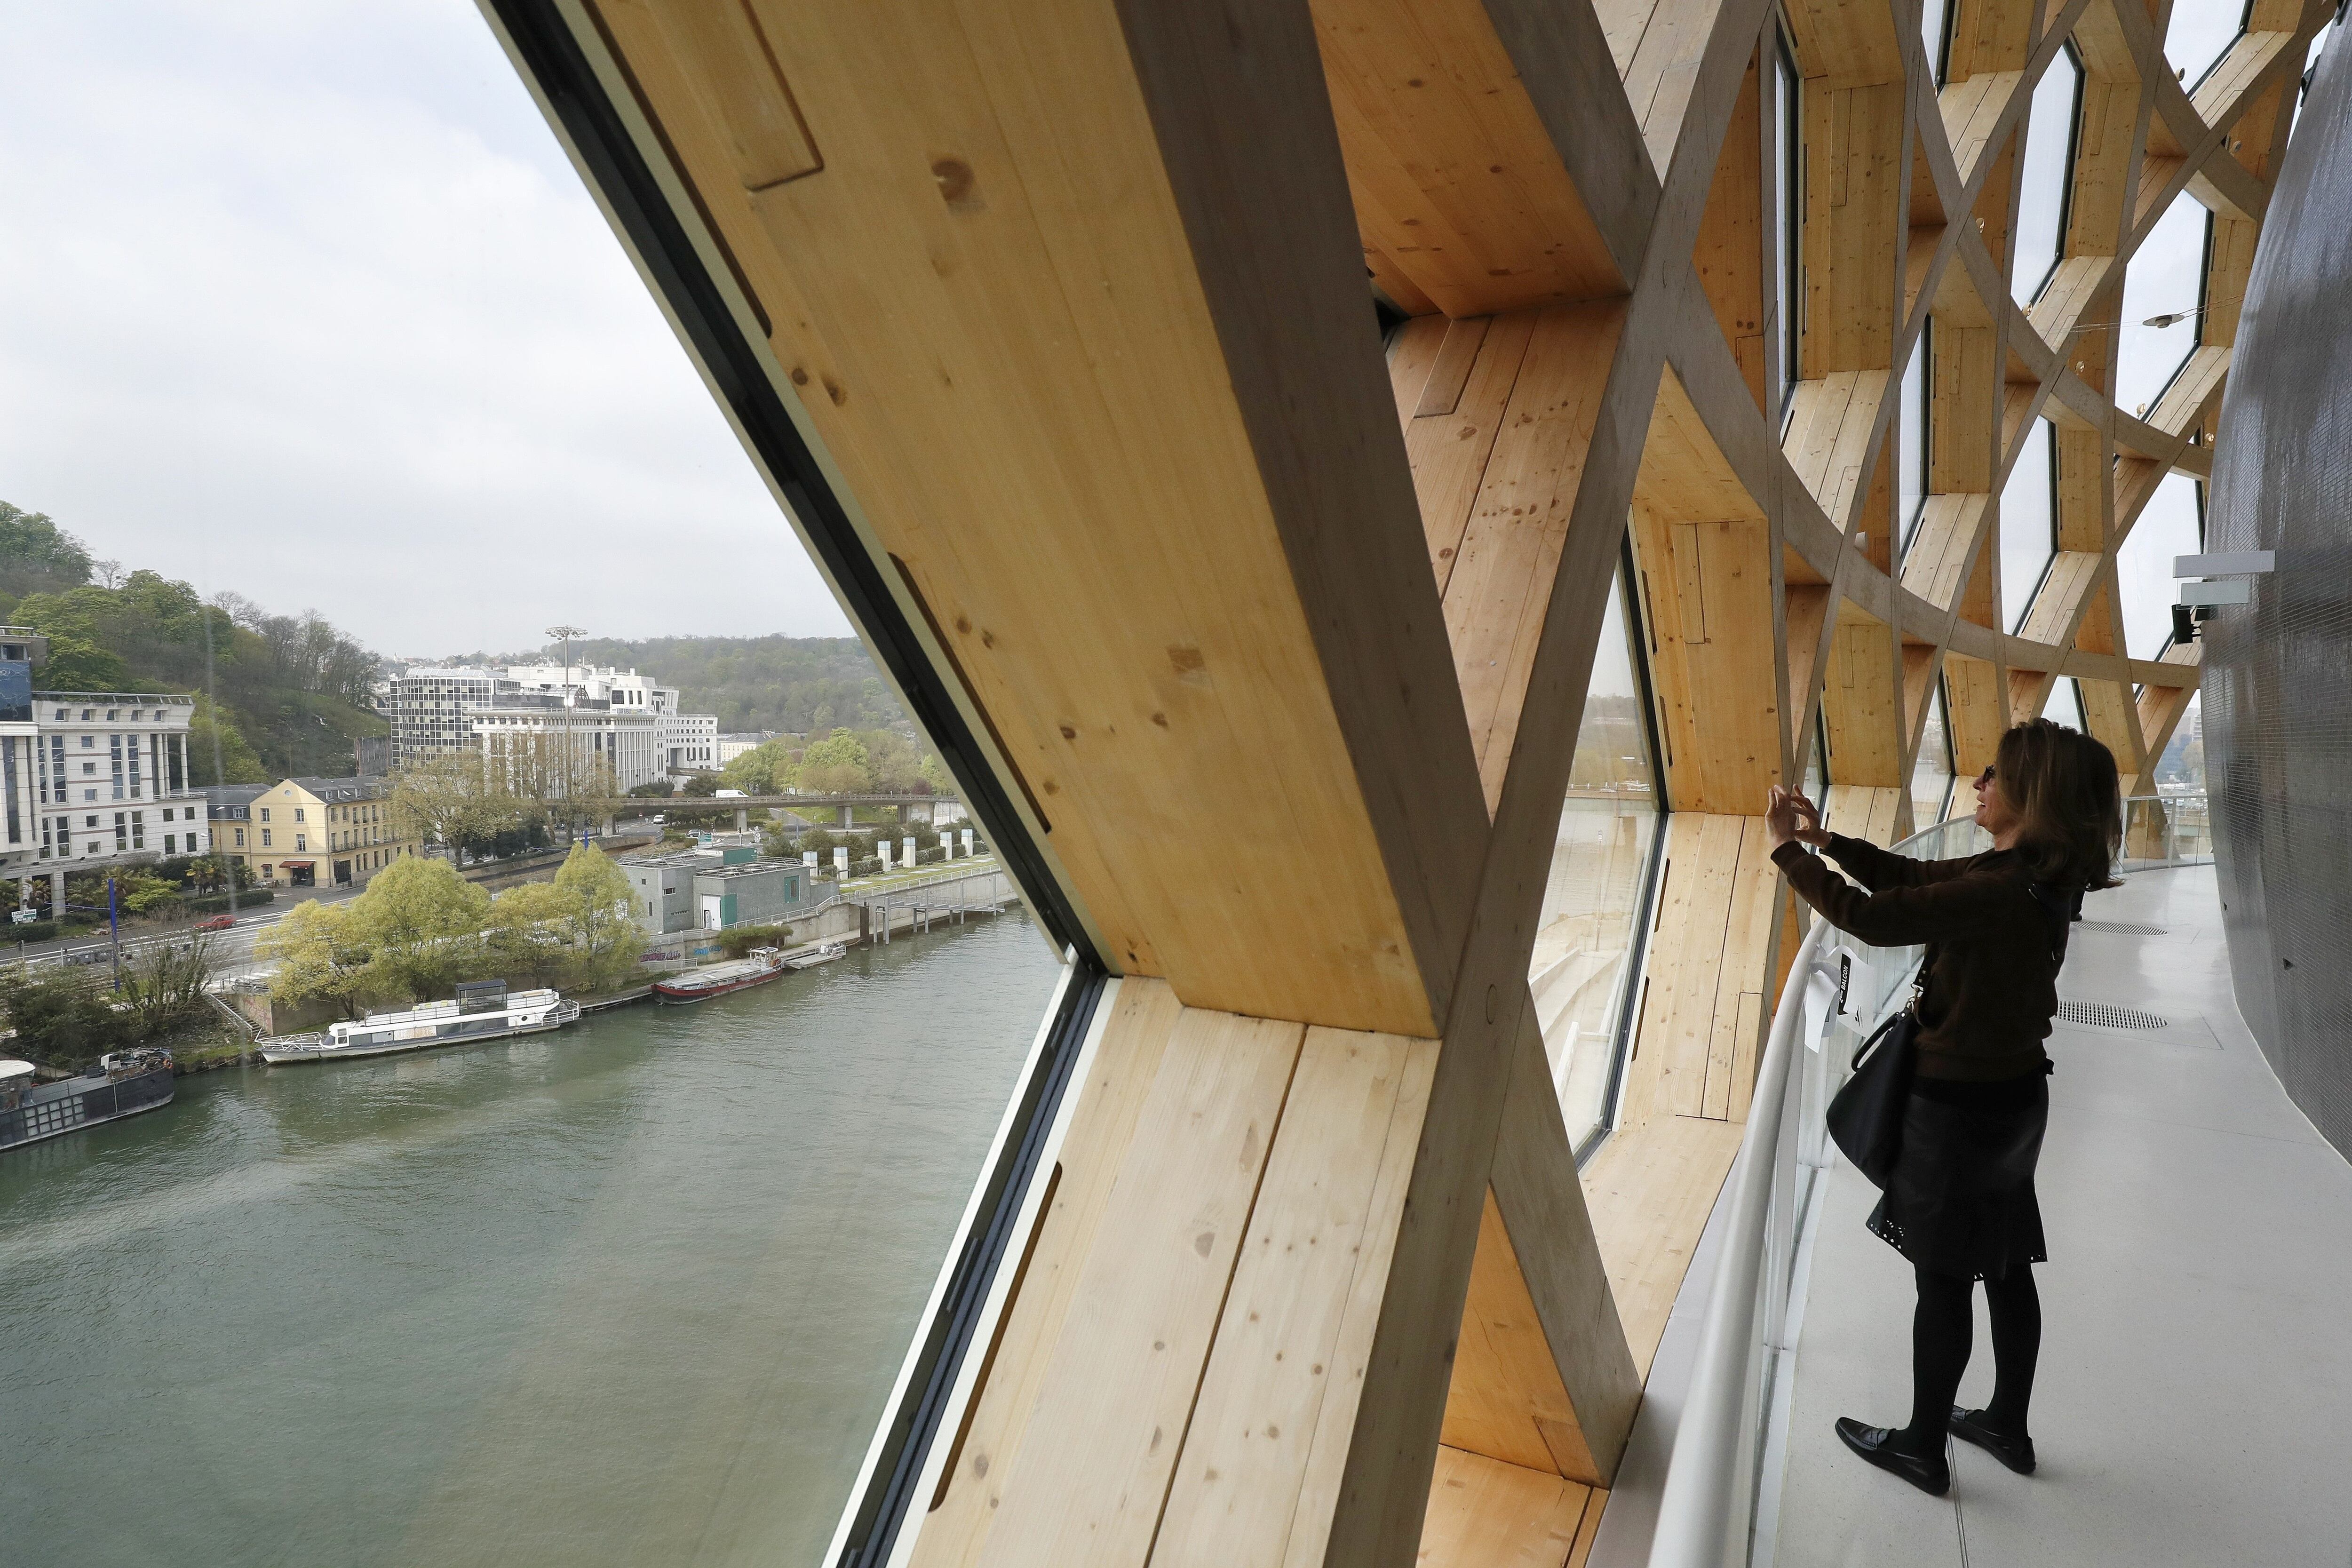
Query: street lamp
x=565, y=634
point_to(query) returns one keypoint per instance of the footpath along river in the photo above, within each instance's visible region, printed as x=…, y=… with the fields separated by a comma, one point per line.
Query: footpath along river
x=629, y=1293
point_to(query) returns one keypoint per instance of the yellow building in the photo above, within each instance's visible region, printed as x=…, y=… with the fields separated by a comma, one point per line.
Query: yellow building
x=308, y=832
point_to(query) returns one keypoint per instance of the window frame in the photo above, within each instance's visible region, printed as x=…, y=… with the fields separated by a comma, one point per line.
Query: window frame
x=724, y=333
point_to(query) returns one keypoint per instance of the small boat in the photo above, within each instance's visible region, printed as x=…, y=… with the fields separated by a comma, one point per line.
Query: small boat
x=756, y=967
x=482, y=1010
x=124, y=1083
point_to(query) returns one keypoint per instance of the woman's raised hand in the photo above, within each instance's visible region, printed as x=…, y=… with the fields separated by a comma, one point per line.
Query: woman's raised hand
x=1789, y=815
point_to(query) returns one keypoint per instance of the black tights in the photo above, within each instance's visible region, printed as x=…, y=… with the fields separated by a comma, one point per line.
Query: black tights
x=1941, y=1329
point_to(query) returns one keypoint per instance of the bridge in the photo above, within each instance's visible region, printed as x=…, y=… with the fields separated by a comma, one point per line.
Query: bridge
x=911, y=807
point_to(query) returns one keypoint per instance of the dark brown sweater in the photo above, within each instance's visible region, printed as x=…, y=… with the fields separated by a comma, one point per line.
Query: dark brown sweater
x=1994, y=988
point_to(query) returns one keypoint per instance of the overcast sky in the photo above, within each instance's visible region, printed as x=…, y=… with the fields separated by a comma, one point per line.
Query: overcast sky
x=302, y=300
x=299, y=299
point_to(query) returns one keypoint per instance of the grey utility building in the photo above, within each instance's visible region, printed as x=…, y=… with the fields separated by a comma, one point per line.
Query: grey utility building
x=700, y=888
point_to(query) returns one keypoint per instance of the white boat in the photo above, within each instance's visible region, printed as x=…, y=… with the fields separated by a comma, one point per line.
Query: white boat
x=481, y=1011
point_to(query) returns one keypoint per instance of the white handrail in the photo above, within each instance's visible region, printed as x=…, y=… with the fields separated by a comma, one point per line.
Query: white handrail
x=1714, y=1470
x=1699, y=1504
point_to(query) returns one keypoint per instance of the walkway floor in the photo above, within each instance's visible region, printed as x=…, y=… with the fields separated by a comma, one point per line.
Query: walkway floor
x=2196, y=1385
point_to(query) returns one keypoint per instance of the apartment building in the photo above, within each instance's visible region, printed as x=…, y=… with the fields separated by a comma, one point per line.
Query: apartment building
x=308, y=832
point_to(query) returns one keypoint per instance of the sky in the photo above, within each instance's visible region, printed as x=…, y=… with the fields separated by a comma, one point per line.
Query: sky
x=304, y=301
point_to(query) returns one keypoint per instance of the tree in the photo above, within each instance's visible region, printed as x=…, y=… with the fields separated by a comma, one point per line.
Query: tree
x=763, y=770
x=217, y=753
x=319, y=955
x=598, y=906
x=447, y=800
x=839, y=765
x=60, y=1019
x=421, y=926
x=935, y=773
x=164, y=984
x=77, y=664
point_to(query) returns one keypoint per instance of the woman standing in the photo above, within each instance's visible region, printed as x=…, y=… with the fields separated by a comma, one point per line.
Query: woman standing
x=1959, y=1203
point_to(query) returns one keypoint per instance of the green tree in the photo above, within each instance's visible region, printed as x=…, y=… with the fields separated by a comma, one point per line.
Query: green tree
x=839, y=765
x=935, y=773
x=60, y=1019
x=765, y=769
x=164, y=984
x=319, y=954
x=598, y=906
x=422, y=924
x=77, y=664
x=218, y=754
x=447, y=800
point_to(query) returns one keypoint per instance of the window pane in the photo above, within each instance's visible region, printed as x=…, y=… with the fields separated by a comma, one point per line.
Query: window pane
x=2166, y=278
x=1589, y=930
x=2199, y=34
x=2181, y=768
x=633, y=1289
x=2169, y=528
x=1912, y=462
x=1931, y=33
x=1931, y=776
x=1789, y=160
x=2065, y=704
x=2029, y=526
x=2049, y=157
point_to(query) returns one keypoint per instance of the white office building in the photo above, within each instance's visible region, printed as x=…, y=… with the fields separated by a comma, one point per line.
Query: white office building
x=514, y=715
x=97, y=779
x=689, y=742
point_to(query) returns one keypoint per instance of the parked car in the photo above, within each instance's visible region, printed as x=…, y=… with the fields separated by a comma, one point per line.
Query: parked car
x=217, y=922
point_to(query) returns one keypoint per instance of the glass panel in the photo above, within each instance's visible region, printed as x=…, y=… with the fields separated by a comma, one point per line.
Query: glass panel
x=1912, y=462
x=1932, y=23
x=1788, y=154
x=2049, y=160
x=2065, y=704
x=1931, y=776
x=2167, y=278
x=2181, y=768
x=632, y=1290
x=2172, y=525
x=2199, y=34
x=1817, y=779
x=2029, y=522
x=1588, y=939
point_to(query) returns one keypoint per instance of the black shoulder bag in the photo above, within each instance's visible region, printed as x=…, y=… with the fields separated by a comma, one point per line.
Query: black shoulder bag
x=1865, y=1117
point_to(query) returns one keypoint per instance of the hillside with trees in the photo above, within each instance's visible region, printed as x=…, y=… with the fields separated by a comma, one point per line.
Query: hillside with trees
x=288, y=693
x=798, y=685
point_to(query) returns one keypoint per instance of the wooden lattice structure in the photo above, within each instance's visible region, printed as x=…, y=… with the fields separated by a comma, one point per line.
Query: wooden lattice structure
x=1262, y=630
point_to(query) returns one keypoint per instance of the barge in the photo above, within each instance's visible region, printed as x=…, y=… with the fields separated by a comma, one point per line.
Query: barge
x=124, y=1083
x=480, y=1011
x=756, y=968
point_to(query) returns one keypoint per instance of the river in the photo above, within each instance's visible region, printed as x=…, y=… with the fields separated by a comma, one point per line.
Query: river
x=630, y=1294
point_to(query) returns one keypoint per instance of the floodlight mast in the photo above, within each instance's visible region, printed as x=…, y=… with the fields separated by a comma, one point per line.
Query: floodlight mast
x=565, y=634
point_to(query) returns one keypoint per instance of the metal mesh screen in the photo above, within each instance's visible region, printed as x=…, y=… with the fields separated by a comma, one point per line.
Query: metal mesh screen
x=2278, y=672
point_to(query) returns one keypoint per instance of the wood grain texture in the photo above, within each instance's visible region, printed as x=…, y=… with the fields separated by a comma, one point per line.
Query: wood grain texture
x=1261, y=1457
x=1120, y=1382
x=1484, y=1513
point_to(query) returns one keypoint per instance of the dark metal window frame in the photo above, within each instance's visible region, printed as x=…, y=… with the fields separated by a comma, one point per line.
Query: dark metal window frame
x=554, y=61
x=1637, y=947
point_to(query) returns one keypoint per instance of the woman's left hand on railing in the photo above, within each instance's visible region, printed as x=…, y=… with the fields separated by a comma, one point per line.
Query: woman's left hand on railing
x=1789, y=815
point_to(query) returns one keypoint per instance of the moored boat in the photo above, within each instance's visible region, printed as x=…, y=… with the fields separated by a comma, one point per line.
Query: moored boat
x=756, y=967
x=482, y=1010
x=124, y=1083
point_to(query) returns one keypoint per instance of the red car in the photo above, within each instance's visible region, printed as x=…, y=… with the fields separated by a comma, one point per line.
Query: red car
x=218, y=923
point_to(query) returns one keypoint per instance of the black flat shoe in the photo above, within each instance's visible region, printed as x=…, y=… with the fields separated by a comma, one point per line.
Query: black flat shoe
x=1933, y=1477
x=2017, y=1453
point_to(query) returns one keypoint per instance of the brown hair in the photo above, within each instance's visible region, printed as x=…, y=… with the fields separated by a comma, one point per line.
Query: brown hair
x=2062, y=784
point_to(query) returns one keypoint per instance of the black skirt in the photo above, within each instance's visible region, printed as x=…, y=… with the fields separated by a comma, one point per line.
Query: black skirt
x=1960, y=1200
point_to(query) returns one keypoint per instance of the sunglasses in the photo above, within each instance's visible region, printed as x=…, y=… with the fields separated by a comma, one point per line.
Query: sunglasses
x=1985, y=777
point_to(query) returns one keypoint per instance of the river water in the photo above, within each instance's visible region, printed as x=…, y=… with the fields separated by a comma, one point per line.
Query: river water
x=630, y=1294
